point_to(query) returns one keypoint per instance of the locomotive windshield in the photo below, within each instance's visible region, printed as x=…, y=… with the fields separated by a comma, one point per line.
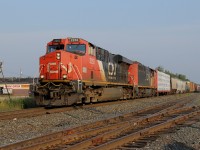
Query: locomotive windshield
x=76, y=48
x=52, y=48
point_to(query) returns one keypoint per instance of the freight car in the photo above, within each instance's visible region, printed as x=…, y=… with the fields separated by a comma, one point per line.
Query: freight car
x=163, y=83
x=178, y=86
x=190, y=86
x=74, y=70
x=198, y=88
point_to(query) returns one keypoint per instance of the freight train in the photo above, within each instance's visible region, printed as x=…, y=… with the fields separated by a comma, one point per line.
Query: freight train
x=74, y=70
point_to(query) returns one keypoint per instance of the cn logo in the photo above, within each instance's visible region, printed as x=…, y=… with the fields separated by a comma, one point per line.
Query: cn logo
x=70, y=67
x=112, y=69
x=51, y=67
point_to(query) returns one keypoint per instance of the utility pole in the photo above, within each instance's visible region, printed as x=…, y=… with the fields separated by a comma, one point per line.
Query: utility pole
x=20, y=75
x=1, y=71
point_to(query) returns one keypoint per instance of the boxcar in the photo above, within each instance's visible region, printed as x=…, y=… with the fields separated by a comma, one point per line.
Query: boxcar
x=198, y=88
x=163, y=83
x=192, y=86
x=178, y=86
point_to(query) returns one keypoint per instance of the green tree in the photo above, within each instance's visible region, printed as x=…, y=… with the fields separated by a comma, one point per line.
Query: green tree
x=160, y=68
x=175, y=75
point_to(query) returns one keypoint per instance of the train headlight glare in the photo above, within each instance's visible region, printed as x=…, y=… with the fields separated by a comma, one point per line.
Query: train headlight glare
x=64, y=76
x=58, y=55
x=42, y=76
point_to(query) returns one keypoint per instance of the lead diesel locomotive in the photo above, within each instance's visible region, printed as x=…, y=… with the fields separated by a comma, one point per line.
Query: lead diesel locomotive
x=74, y=70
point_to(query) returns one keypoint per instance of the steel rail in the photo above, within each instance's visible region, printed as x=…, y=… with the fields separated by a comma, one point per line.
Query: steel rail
x=32, y=112
x=127, y=125
x=72, y=134
x=147, y=131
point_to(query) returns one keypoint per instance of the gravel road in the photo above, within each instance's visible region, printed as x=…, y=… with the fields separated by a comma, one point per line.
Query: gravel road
x=16, y=130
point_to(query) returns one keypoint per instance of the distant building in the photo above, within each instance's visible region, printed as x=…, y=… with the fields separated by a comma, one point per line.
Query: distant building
x=16, y=89
x=12, y=80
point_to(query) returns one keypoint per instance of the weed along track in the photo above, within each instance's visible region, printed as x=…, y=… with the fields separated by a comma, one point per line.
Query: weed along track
x=41, y=111
x=33, y=112
x=20, y=113
x=122, y=132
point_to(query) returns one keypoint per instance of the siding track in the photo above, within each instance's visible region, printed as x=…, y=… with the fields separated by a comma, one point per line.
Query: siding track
x=123, y=132
x=32, y=112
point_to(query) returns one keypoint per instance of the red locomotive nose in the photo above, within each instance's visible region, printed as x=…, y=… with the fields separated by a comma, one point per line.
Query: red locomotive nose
x=50, y=65
x=53, y=65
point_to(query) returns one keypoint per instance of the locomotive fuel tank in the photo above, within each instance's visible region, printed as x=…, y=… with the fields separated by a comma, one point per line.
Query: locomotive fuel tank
x=111, y=94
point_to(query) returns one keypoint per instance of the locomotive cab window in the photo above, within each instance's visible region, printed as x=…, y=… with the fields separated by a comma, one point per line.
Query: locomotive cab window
x=92, y=50
x=106, y=56
x=101, y=54
x=52, y=48
x=76, y=48
x=98, y=54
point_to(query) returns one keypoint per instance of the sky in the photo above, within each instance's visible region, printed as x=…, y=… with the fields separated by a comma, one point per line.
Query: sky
x=154, y=32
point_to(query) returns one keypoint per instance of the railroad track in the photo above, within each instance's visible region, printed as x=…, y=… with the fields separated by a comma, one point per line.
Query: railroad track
x=122, y=132
x=32, y=112
x=41, y=110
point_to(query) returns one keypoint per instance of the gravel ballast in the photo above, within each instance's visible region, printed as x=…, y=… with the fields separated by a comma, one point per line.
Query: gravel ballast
x=186, y=138
x=16, y=130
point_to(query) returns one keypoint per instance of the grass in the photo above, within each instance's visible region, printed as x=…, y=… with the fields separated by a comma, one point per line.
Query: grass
x=16, y=103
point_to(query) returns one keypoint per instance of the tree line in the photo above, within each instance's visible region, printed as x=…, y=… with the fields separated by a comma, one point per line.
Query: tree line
x=176, y=75
x=17, y=80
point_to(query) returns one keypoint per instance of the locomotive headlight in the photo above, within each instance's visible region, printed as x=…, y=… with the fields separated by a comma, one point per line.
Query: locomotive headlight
x=64, y=76
x=58, y=55
x=42, y=76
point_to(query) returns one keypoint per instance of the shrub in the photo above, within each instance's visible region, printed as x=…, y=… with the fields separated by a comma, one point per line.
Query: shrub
x=17, y=103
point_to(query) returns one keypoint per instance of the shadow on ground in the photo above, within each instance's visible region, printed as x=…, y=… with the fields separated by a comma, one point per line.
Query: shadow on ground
x=177, y=146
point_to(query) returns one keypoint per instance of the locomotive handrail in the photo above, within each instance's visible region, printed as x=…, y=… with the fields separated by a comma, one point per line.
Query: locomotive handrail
x=132, y=78
x=41, y=67
x=42, y=85
x=55, y=84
